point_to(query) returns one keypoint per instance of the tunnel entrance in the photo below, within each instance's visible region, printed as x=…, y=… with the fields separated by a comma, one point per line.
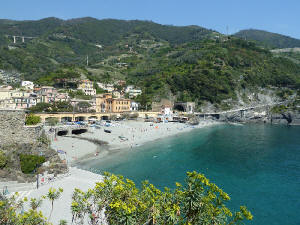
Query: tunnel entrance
x=79, y=131
x=179, y=108
x=80, y=118
x=62, y=132
x=104, y=117
x=66, y=119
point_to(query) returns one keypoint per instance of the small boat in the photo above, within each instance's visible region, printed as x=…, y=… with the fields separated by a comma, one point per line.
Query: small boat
x=123, y=138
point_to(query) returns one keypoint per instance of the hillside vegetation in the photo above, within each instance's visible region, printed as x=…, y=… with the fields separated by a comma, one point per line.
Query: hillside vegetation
x=268, y=39
x=187, y=63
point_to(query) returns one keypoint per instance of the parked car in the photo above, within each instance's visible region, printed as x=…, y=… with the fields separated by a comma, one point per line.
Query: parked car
x=107, y=131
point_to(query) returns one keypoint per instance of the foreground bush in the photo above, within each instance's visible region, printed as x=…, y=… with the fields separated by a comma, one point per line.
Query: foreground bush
x=196, y=202
x=32, y=119
x=117, y=201
x=30, y=162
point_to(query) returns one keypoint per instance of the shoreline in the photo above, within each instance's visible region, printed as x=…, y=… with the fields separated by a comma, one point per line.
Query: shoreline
x=80, y=150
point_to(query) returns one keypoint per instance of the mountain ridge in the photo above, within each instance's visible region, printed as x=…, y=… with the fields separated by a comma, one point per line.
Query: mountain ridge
x=268, y=39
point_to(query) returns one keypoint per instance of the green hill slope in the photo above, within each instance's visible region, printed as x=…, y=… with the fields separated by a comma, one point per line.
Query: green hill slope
x=191, y=63
x=268, y=39
x=212, y=70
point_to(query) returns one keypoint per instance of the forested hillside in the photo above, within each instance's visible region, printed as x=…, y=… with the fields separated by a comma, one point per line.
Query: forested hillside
x=188, y=63
x=268, y=39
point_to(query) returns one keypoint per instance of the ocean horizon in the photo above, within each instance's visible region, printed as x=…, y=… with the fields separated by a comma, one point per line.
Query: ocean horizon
x=258, y=165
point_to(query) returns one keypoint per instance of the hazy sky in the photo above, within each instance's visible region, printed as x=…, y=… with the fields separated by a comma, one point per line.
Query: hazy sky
x=280, y=16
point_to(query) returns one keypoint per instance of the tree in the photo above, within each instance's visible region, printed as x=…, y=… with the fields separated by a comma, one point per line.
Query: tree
x=83, y=106
x=52, y=121
x=32, y=119
x=40, y=107
x=53, y=195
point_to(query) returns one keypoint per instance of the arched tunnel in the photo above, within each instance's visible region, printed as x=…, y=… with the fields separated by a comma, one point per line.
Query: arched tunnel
x=62, y=132
x=79, y=131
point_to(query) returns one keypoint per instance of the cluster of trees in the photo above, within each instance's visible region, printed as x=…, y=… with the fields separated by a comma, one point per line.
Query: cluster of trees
x=198, y=201
x=54, y=107
x=29, y=163
x=32, y=119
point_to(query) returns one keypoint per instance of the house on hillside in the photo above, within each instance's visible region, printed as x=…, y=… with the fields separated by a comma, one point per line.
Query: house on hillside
x=106, y=87
x=106, y=103
x=28, y=85
x=87, y=87
x=132, y=91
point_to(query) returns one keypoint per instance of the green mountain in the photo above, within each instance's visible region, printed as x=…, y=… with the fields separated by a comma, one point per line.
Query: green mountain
x=58, y=42
x=104, y=32
x=190, y=63
x=268, y=39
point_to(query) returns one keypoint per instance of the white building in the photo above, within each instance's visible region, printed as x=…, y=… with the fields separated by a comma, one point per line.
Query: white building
x=106, y=87
x=87, y=87
x=134, y=106
x=27, y=84
x=133, y=92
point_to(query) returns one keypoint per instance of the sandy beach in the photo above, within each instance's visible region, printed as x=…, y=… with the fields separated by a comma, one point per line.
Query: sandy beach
x=133, y=133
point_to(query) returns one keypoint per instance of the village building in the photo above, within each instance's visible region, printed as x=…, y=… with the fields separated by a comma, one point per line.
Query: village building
x=87, y=87
x=165, y=106
x=133, y=92
x=16, y=99
x=28, y=85
x=134, y=106
x=106, y=87
x=106, y=103
x=116, y=94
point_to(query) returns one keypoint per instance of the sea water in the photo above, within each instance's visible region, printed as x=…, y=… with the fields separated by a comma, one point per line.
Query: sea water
x=257, y=165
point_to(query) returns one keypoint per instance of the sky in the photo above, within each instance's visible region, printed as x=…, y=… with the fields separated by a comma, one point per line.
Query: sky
x=279, y=16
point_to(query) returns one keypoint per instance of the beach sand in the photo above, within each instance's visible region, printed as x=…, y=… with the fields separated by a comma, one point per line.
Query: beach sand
x=135, y=133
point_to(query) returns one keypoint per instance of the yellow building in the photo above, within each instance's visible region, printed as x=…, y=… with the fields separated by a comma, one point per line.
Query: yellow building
x=106, y=103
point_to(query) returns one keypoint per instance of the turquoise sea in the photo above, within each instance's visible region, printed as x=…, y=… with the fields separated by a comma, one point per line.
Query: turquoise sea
x=257, y=165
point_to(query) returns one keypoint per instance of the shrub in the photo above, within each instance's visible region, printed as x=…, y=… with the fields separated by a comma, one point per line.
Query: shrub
x=30, y=162
x=198, y=201
x=32, y=119
x=52, y=121
x=3, y=159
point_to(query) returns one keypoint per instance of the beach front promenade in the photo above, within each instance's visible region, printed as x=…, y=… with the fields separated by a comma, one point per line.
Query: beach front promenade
x=76, y=178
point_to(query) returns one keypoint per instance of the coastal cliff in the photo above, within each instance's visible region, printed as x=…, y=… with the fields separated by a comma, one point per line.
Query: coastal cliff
x=263, y=115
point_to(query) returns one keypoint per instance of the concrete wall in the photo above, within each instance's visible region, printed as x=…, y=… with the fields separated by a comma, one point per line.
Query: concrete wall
x=13, y=129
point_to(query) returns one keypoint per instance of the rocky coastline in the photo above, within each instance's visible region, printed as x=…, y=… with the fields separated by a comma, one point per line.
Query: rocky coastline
x=288, y=117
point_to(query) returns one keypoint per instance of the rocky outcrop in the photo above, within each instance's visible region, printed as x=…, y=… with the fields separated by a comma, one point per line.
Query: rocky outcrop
x=291, y=117
x=16, y=139
x=287, y=118
x=245, y=116
x=13, y=129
